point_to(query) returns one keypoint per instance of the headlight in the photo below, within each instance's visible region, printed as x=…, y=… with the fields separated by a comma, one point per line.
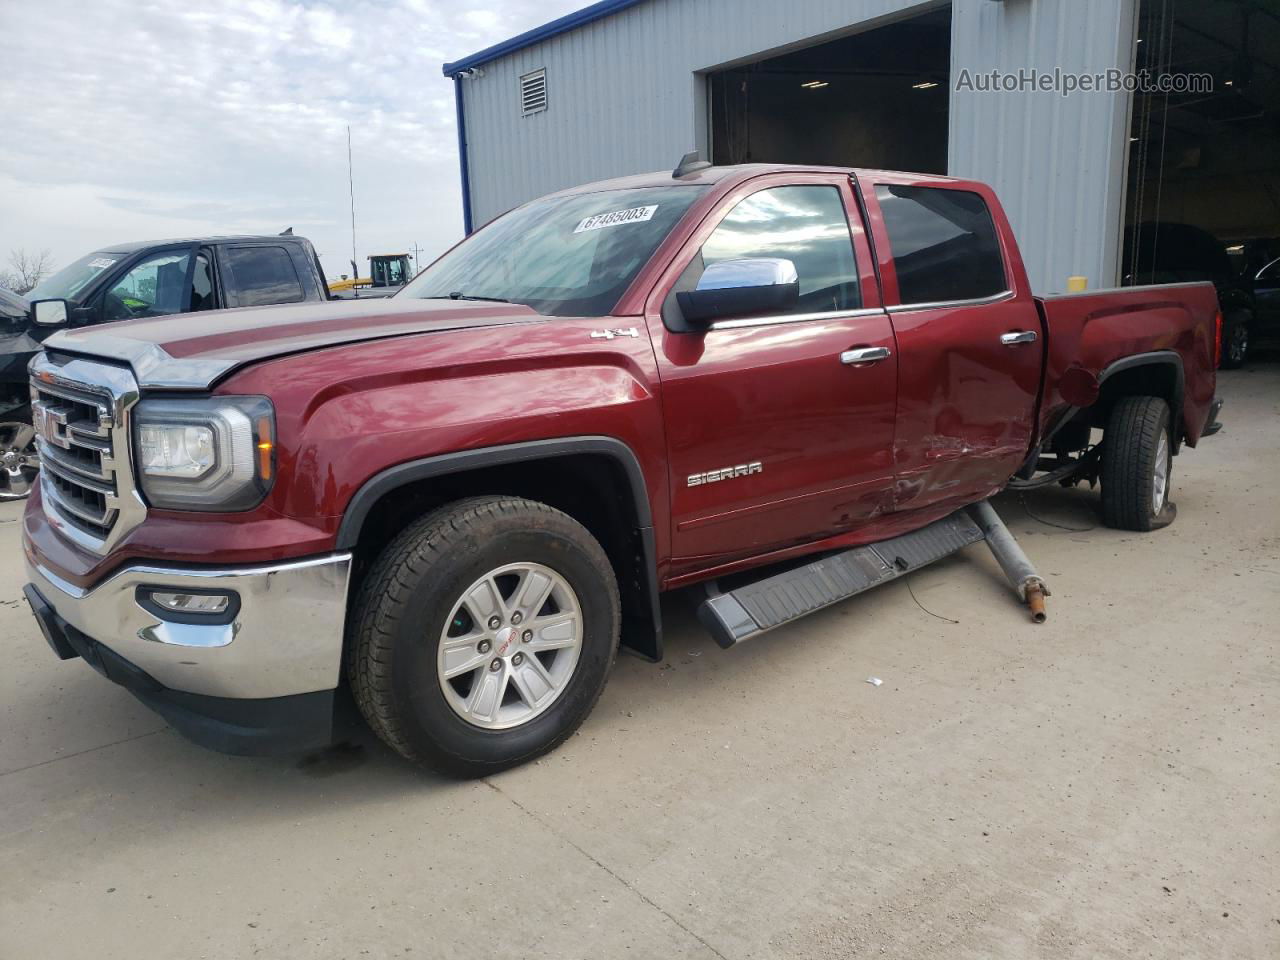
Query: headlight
x=206, y=453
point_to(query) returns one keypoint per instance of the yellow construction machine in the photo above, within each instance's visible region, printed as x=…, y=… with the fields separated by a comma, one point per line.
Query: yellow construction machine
x=388, y=272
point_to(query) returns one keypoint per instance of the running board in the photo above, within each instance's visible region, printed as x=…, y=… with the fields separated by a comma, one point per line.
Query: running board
x=774, y=601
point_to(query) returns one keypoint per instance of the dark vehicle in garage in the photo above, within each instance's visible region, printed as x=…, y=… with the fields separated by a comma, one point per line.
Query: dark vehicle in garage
x=459, y=501
x=1183, y=253
x=1266, y=294
x=134, y=280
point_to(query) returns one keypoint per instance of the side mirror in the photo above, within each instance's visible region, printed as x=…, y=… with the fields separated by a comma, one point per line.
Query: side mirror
x=735, y=288
x=50, y=313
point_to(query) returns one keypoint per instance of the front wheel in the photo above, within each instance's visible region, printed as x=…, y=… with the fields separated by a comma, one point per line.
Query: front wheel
x=483, y=635
x=1137, y=465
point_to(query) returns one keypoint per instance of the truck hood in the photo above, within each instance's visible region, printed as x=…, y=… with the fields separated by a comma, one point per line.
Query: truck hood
x=193, y=352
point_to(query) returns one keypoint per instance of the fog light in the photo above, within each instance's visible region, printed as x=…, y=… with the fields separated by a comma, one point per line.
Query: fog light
x=211, y=603
x=183, y=606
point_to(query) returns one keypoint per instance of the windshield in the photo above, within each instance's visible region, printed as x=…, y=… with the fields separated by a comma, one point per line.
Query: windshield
x=569, y=256
x=67, y=283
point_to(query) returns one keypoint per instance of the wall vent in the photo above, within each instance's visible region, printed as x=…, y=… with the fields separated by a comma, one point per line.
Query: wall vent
x=533, y=92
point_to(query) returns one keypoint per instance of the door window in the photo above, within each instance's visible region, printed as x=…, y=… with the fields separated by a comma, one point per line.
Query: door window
x=202, y=285
x=803, y=224
x=262, y=275
x=388, y=273
x=153, y=288
x=944, y=244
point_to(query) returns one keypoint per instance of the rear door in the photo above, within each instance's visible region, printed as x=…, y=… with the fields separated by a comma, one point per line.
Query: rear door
x=970, y=347
x=773, y=440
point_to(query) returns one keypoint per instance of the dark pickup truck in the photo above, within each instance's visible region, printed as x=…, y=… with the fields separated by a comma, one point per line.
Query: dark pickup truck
x=461, y=500
x=133, y=280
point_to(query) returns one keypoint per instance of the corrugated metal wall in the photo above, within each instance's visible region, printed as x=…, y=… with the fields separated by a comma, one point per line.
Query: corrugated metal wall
x=627, y=95
x=623, y=92
x=1057, y=163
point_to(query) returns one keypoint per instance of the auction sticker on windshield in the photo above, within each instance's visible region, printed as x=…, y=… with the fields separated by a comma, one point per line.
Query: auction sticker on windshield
x=100, y=264
x=617, y=218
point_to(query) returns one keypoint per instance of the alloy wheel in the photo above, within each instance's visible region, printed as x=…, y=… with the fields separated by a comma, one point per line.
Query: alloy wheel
x=19, y=461
x=1160, y=475
x=510, y=645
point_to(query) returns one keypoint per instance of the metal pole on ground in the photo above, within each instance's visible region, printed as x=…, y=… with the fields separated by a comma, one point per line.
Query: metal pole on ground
x=1030, y=586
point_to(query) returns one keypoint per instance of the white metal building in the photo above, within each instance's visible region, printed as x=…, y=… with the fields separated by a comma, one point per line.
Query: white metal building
x=626, y=86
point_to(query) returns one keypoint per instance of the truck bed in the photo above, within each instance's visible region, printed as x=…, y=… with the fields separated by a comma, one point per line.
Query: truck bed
x=1095, y=335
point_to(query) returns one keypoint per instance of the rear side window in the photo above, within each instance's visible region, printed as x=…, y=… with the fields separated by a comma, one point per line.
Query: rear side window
x=262, y=275
x=944, y=244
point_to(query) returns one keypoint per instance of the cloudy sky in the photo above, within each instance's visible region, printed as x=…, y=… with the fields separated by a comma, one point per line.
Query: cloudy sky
x=146, y=119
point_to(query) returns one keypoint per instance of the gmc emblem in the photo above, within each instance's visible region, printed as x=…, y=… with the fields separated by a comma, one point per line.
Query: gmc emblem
x=51, y=425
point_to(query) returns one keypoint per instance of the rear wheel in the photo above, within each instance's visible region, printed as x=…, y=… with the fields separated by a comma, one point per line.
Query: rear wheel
x=1235, y=341
x=483, y=635
x=1137, y=465
x=19, y=461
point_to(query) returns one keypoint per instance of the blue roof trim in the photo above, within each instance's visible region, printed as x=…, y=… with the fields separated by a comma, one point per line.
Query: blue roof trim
x=566, y=23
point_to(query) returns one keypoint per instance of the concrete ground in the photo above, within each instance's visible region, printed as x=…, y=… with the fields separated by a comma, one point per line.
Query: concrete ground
x=1105, y=785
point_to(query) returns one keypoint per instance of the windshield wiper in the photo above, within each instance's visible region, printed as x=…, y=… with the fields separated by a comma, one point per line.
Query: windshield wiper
x=459, y=295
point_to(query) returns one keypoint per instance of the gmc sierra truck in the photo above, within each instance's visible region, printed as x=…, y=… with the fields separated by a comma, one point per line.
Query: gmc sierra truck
x=461, y=501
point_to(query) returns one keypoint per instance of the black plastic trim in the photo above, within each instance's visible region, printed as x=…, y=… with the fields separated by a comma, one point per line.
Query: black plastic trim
x=1148, y=359
x=378, y=486
x=275, y=725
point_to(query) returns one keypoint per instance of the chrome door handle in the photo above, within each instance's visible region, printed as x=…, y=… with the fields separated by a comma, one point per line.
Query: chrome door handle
x=1018, y=336
x=864, y=355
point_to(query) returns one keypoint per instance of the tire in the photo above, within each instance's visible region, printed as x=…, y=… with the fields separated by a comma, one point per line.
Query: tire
x=1136, y=446
x=1235, y=341
x=423, y=611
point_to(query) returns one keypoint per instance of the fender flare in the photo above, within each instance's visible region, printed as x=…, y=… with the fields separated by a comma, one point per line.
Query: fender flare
x=1151, y=359
x=392, y=478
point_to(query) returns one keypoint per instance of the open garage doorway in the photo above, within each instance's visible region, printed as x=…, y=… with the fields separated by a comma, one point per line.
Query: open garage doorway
x=1204, y=165
x=872, y=99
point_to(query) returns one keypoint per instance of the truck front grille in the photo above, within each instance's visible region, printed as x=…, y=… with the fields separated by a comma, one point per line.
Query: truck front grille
x=80, y=409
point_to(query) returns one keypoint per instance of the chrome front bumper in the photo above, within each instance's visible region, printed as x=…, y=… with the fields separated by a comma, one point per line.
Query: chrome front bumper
x=286, y=638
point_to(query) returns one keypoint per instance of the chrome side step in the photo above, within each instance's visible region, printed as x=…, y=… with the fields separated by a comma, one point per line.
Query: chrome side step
x=758, y=607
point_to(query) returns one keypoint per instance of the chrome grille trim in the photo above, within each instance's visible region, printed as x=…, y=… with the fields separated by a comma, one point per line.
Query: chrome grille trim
x=81, y=410
x=64, y=462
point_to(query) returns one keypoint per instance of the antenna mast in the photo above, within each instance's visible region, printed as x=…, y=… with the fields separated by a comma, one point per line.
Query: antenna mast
x=351, y=186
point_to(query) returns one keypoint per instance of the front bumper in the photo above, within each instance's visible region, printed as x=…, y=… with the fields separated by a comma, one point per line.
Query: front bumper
x=262, y=683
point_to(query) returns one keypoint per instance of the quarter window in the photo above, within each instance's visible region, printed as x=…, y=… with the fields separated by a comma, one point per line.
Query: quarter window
x=803, y=224
x=262, y=275
x=944, y=244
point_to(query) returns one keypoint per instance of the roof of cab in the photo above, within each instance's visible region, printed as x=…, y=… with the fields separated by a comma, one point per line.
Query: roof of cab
x=136, y=245
x=736, y=174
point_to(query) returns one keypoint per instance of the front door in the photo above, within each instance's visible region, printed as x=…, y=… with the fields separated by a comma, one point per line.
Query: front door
x=970, y=345
x=773, y=440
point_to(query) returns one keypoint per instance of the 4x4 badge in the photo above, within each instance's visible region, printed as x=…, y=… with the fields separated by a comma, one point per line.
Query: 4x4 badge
x=610, y=334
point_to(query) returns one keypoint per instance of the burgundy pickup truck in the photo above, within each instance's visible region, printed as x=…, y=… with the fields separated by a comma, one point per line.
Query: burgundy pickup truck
x=459, y=502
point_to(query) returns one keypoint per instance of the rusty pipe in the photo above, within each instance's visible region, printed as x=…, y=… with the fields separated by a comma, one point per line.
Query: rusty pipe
x=1035, y=601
